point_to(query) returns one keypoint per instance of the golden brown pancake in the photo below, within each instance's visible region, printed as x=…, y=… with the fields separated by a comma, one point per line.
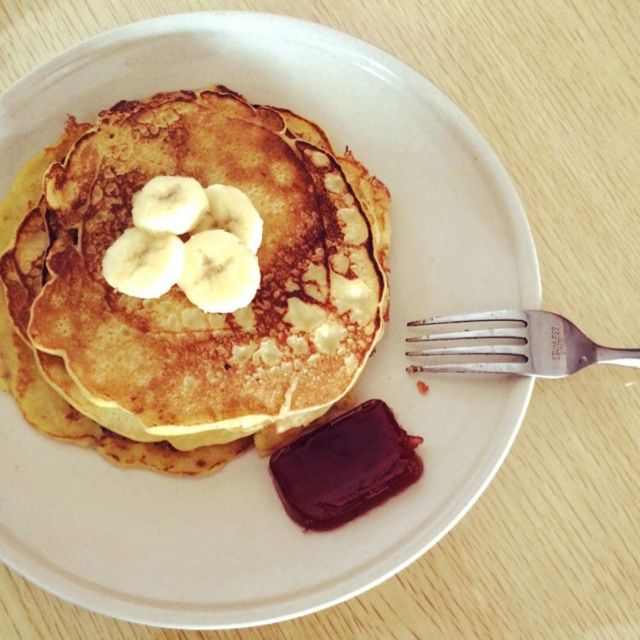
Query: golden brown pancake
x=305, y=337
x=22, y=273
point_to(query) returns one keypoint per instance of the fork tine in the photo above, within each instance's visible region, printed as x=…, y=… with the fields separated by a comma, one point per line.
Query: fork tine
x=515, y=333
x=502, y=315
x=483, y=350
x=521, y=368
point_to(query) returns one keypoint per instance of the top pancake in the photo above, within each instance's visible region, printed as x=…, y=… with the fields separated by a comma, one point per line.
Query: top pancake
x=302, y=341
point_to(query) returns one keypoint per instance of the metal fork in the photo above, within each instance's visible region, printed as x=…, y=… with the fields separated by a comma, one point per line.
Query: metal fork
x=539, y=343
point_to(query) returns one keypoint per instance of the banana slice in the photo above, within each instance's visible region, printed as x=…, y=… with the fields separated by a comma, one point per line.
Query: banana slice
x=142, y=264
x=172, y=204
x=231, y=209
x=220, y=274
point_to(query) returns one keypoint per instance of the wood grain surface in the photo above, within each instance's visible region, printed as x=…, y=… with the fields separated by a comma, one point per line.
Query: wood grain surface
x=551, y=548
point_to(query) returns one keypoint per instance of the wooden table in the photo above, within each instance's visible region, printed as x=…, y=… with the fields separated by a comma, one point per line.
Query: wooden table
x=551, y=548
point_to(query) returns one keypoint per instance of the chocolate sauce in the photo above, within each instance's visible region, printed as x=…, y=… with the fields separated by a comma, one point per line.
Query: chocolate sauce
x=346, y=467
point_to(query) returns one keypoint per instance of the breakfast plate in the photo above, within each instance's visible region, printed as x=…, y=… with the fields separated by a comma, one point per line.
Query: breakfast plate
x=219, y=551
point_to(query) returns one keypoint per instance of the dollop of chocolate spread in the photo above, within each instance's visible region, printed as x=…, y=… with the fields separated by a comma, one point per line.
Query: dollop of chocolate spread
x=346, y=467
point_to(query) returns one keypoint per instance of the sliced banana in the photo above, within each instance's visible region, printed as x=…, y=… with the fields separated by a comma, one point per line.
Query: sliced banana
x=142, y=264
x=220, y=274
x=231, y=209
x=171, y=204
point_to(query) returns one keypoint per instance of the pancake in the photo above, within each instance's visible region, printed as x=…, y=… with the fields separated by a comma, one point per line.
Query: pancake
x=375, y=200
x=62, y=408
x=292, y=353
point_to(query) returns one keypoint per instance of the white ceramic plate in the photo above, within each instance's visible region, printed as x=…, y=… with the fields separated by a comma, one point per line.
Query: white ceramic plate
x=220, y=551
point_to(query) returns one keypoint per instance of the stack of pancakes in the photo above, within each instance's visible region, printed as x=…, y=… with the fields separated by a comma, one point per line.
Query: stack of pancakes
x=160, y=383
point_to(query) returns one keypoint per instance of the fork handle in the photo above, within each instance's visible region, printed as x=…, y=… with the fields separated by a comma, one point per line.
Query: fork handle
x=624, y=357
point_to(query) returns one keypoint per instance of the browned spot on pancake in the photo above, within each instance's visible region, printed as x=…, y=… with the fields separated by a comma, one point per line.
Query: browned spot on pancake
x=72, y=414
